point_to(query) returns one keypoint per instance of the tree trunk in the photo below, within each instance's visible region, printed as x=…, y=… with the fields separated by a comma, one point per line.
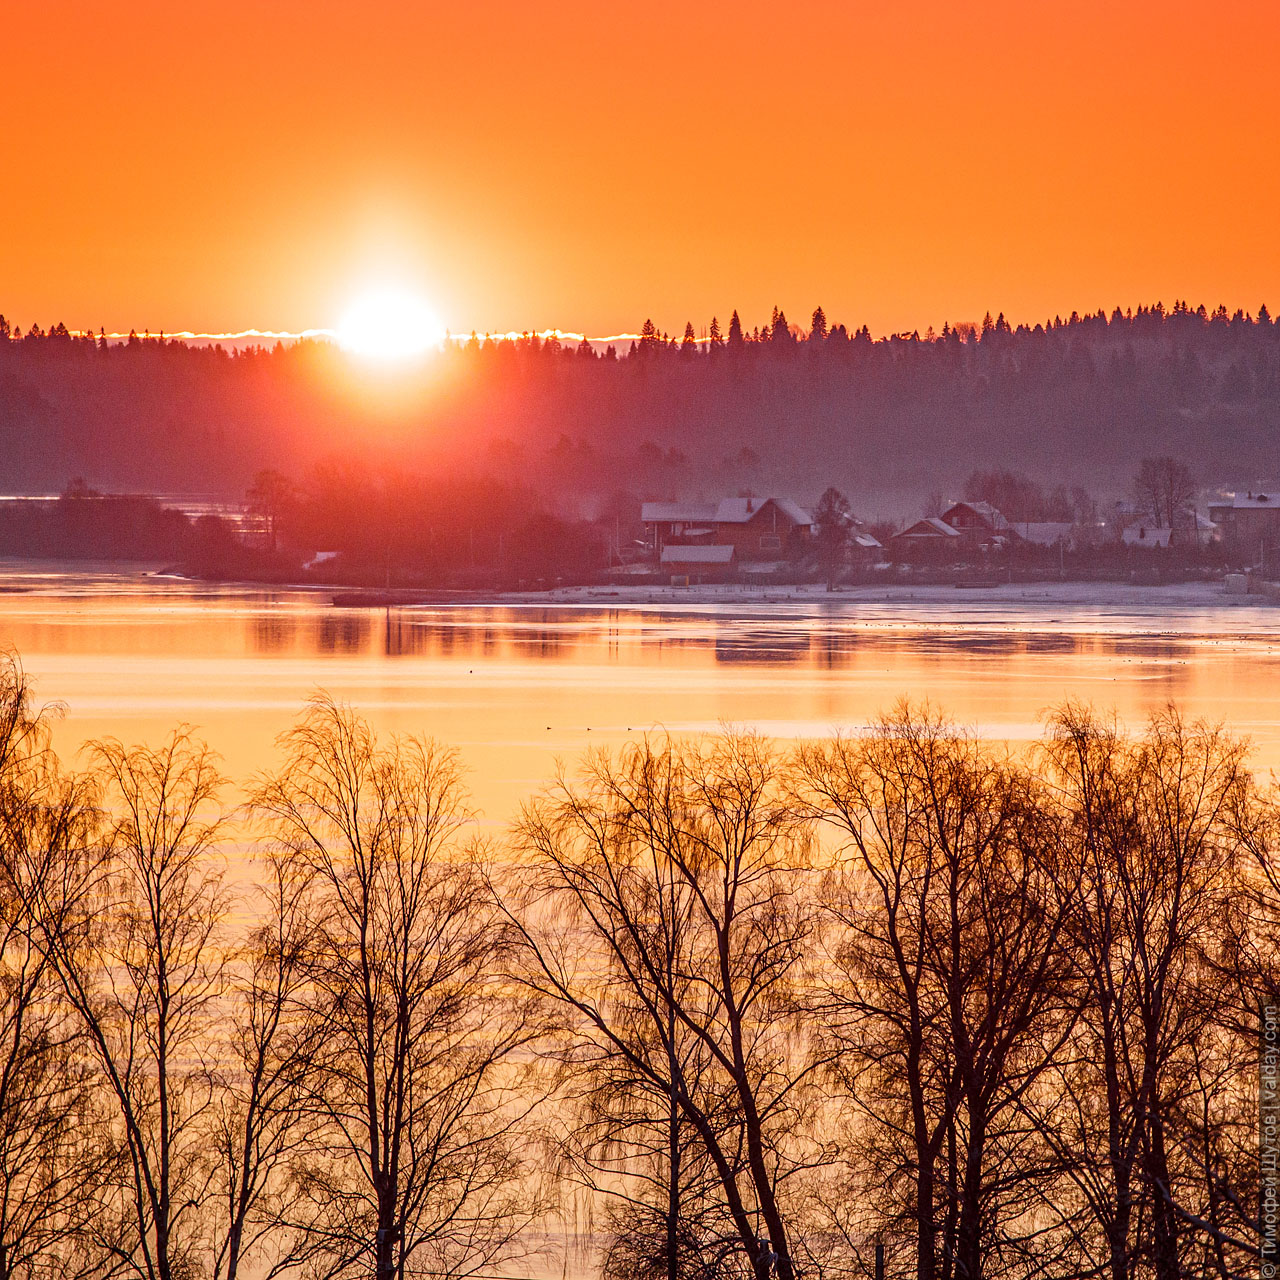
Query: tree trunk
x=387, y=1235
x=1164, y=1220
x=953, y=1200
x=1118, y=1231
x=673, y=1189
x=926, y=1236
x=1120, y=1159
x=969, y=1231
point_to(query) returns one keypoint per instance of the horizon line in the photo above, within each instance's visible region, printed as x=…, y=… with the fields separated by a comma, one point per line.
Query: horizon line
x=282, y=335
x=702, y=340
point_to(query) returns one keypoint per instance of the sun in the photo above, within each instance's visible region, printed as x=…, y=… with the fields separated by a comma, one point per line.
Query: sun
x=390, y=325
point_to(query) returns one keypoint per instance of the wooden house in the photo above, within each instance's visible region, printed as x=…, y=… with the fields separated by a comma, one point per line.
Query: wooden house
x=1249, y=525
x=979, y=524
x=693, y=564
x=931, y=540
x=758, y=529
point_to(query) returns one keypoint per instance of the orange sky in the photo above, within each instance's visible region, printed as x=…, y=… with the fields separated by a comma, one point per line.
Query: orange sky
x=253, y=163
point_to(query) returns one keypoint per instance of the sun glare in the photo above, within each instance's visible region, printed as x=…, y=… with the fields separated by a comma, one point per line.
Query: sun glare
x=389, y=325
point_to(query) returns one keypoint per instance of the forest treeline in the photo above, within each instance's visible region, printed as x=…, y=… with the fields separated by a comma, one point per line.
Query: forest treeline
x=717, y=409
x=728, y=1010
x=388, y=529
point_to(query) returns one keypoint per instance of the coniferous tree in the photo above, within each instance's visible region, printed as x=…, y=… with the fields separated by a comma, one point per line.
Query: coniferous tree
x=832, y=518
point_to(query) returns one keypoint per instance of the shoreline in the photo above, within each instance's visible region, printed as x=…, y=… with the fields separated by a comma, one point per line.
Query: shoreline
x=1100, y=594
x=1149, y=604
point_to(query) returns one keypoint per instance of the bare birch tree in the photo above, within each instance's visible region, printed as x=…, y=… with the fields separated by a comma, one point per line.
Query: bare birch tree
x=133, y=928
x=260, y=1120
x=664, y=910
x=1152, y=887
x=950, y=995
x=417, y=1159
x=53, y=1153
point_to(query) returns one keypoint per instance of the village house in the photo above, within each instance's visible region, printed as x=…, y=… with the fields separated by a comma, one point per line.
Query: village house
x=1249, y=525
x=864, y=548
x=962, y=532
x=695, y=564
x=683, y=524
x=1146, y=534
x=1134, y=526
x=931, y=540
x=979, y=524
x=758, y=529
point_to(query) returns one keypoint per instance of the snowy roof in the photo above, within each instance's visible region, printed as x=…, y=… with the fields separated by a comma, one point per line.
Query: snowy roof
x=677, y=512
x=1147, y=535
x=1255, y=499
x=726, y=511
x=930, y=527
x=697, y=555
x=740, y=510
x=983, y=509
x=796, y=512
x=866, y=541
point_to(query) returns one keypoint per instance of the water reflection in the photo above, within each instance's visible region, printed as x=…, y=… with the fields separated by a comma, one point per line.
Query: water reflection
x=581, y=635
x=516, y=688
x=273, y=633
x=344, y=631
x=764, y=646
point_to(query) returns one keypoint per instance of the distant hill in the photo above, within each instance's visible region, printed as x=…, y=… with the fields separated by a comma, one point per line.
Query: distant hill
x=1078, y=401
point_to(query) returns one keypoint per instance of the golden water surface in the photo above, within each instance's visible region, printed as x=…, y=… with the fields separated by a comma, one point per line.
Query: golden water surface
x=515, y=687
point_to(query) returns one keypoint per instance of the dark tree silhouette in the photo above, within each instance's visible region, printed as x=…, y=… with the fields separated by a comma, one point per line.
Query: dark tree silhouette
x=269, y=497
x=55, y=1155
x=134, y=929
x=833, y=519
x=952, y=995
x=415, y=1161
x=663, y=910
x=1163, y=487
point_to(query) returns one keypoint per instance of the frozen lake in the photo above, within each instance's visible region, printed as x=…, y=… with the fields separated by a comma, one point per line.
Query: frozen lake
x=517, y=685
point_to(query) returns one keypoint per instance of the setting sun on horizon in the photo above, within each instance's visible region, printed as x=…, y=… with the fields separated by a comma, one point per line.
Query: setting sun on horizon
x=389, y=324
